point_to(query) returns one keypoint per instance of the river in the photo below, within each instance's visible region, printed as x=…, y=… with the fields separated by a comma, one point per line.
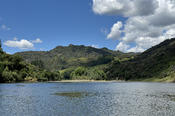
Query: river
x=87, y=99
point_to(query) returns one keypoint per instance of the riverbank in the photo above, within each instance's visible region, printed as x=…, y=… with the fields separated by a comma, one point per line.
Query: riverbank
x=80, y=81
x=155, y=79
x=163, y=80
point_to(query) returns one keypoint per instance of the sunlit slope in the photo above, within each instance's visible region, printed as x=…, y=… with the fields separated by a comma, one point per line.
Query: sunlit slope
x=155, y=64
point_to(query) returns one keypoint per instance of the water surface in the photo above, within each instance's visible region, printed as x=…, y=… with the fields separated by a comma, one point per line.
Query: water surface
x=87, y=99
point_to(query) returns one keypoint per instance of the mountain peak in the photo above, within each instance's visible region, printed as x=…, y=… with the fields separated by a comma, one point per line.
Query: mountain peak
x=67, y=56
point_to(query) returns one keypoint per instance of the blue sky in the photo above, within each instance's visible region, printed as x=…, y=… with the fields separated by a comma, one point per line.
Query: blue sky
x=55, y=22
x=125, y=25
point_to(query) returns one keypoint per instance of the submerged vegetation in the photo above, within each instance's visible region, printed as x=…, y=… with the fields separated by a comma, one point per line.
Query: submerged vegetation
x=74, y=94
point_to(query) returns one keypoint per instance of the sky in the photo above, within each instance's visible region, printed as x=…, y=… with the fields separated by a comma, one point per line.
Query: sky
x=125, y=25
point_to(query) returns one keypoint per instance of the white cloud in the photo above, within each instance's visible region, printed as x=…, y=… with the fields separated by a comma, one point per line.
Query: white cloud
x=41, y=49
x=115, y=31
x=21, y=44
x=4, y=27
x=122, y=47
x=135, y=49
x=38, y=40
x=125, y=7
x=170, y=33
x=107, y=6
x=149, y=22
x=95, y=46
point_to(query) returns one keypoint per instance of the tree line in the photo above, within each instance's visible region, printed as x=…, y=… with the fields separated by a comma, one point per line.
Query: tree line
x=14, y=69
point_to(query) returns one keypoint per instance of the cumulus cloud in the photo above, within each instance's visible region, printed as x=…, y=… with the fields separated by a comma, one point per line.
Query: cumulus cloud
x=115, y=31
x=149, y=22
x=95, y=46
x=125, y=7
x=135, y=49
x=122, y=47
x=170, y=33
x=38, y=40
x=21, y=44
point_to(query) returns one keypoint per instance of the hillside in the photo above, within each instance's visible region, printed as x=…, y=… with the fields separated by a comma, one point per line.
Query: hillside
x=85, y=62
x=14, y=69
x=157, y=63
x=63, y=57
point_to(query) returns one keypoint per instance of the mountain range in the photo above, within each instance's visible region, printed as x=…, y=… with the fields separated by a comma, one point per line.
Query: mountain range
x=85, y=62
x=63, y=57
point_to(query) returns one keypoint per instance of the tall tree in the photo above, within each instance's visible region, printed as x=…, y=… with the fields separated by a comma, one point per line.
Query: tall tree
x=0, y=47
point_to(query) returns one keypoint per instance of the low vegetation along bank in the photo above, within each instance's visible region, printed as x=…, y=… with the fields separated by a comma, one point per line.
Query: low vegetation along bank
x=86, y=63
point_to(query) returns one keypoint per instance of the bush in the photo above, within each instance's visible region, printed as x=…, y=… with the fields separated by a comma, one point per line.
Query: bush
x=66, y=73
x=97, y=74
x=52, y=76
x=9, y=76
x=38, y=63
x=92, y=73
x=78, y=72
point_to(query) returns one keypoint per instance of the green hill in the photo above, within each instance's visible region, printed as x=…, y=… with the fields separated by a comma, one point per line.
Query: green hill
x=63, y=57
x=155, y=64
x=85, y=62
x=14, y=69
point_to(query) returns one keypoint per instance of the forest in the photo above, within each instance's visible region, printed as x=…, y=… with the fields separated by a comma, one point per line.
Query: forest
x=87, y=63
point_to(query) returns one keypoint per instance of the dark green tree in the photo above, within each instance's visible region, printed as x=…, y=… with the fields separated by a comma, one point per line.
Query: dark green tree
x=0, y=47
x=38, y=63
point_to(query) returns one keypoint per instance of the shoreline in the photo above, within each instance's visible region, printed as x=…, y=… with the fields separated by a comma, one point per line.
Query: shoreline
x=81, y=81
x=95, y=81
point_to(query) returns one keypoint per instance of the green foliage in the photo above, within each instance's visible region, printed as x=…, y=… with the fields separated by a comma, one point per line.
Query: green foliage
x=101, y=60
x=14, y=69
x=38, y=63
x=52, y=76
x=0, y=47
x=91, y=73
x=97, y=74
x=79, y=72
x=74, y=62
x=8, y=76
x=81, y=62
x=71, y=56
x=10, y=66
x=152, y=63
x=66, y=73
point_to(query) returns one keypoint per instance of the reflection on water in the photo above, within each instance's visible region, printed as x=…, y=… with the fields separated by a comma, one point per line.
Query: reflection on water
x=87, y=99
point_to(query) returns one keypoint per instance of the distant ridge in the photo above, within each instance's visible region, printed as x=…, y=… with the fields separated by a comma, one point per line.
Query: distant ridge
x=63, y=57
